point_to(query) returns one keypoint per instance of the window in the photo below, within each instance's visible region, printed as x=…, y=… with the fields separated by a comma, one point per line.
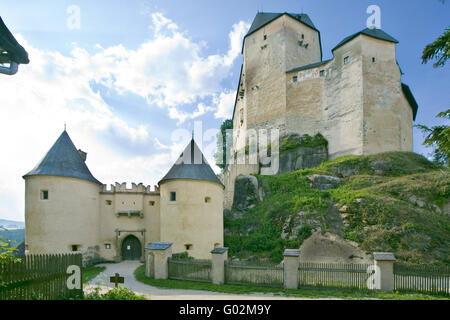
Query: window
x=107, y=245
x=322, y=73
x=188, y=246
x=44, y=194
x=173, y=196
x=207, y=199
x=216, y=245
x=373, y=59
x=265, y=37
x=303, y=36
x=75, y=247
x=346, y=60
x=151, y=203
x=294, y=79
x=108, y=202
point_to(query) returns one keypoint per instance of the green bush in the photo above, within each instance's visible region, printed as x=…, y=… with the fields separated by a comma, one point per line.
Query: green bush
x=119, y=293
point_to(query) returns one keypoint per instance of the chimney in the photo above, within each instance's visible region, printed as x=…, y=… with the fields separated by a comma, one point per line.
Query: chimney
x=83, y=154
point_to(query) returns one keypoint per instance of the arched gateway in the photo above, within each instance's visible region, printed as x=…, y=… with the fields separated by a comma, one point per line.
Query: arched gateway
x=131, y=248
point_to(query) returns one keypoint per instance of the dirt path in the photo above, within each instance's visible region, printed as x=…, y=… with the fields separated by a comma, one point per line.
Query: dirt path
x=126, y=269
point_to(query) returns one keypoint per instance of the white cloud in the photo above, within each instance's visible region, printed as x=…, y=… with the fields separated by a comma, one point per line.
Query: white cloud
x=225, y=104
x=168, y=70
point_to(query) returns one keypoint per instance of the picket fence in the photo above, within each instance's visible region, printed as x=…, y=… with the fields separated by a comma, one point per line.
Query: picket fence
x=39, y=277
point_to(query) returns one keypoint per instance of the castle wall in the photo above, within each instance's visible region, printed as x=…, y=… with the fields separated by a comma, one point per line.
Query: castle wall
x=265, y=64
x=387, y=114
x=189, y=219
x=69, y=216
x=359, y=106
x=343, y=98
x=116, y=225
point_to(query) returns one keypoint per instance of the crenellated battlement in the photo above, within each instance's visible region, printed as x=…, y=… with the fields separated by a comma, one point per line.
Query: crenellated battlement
x=135, y=188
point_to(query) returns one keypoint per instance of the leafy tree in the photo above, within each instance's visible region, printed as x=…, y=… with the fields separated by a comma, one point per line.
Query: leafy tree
x=439, y=49
x=439, y=138
x=221, y=153
x=7, y=251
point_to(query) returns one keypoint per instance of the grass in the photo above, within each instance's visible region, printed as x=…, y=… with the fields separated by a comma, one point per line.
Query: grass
x=394, y=203
x=91, y=272
x=311, y=293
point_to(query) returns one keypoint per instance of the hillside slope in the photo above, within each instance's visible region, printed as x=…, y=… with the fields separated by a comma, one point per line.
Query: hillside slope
x=395, y=201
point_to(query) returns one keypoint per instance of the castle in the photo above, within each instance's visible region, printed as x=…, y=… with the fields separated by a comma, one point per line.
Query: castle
x=356, y=100
x=68, y=210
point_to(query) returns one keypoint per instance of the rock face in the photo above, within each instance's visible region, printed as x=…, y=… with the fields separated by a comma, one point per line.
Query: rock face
x=380, y=166
x=330, y=248
x=246, y=193
x=302, y=158
x=323, y=182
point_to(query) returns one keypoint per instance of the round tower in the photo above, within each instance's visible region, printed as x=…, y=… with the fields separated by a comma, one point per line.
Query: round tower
x=62, y=203
x=192, y=205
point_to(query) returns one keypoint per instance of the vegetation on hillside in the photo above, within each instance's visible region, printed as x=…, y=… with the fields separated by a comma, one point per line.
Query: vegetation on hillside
x=393, y=202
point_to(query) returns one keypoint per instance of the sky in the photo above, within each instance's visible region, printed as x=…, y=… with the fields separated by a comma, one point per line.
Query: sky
x=132, y=79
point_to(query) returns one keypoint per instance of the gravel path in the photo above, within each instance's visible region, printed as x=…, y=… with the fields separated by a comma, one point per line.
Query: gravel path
x=126, y=269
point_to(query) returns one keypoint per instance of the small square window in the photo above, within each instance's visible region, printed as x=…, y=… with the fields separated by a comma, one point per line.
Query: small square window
x=294, y=79
x=173, y=196
x=44, y=194
x=75, y=247
x=346, y=59
x=107, y=245
x=188, y=246
x=322, y=73
x=108, y=202
x=151, y=203
x=207, y=199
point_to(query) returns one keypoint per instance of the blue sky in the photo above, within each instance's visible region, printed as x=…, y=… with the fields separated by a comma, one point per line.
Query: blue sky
x=136, y=71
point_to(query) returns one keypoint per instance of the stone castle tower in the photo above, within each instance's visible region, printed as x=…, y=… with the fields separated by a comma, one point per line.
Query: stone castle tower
x=68, y=210
x=356, y=100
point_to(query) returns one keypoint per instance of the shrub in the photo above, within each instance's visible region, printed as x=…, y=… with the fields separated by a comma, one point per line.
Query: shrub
x=119, y=293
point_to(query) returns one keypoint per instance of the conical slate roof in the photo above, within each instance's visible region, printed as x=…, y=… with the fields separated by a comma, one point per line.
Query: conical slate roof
x=191, y=165
x=63, y=159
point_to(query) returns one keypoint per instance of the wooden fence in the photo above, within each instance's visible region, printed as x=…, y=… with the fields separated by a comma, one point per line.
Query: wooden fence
x=422, y=278
x=337, y=275
x=254, y=273
x=190, y=269
x=39, y=277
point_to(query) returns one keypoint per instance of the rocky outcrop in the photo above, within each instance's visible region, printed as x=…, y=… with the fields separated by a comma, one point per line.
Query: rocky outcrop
x=246, y=192
x=323, y=182
x=302, y=158
x=330, y=248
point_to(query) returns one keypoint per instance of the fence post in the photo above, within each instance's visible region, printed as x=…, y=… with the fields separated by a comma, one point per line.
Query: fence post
x=384, y=270
x=218, y=258
x=290, y=268
x=157, y=255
